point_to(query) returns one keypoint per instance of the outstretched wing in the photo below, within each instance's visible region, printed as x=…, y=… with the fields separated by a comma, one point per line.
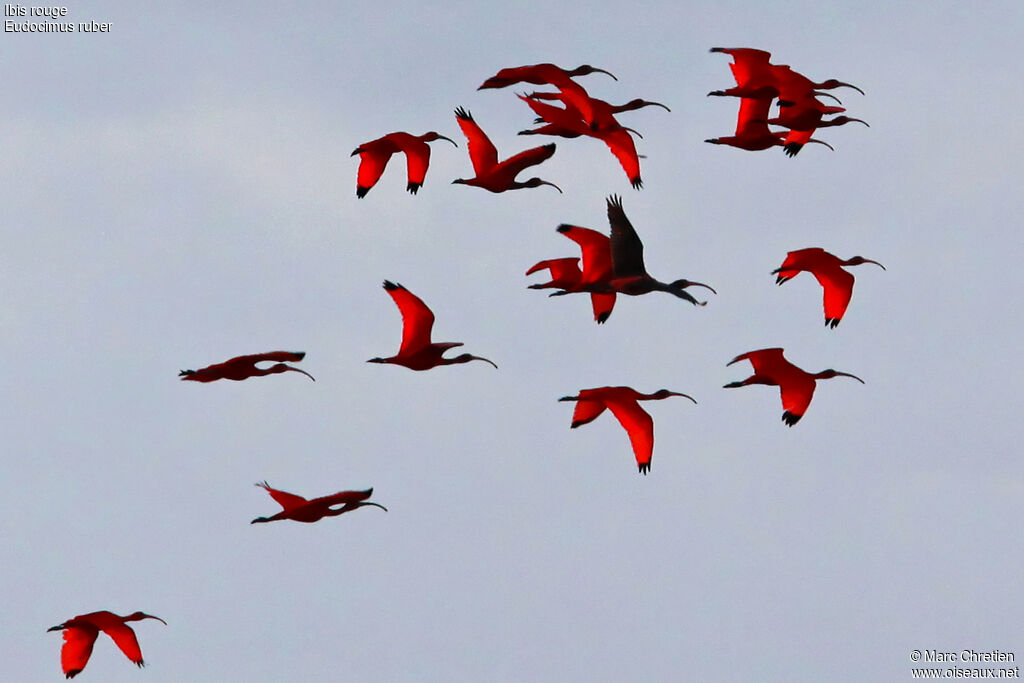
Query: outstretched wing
x=530, y=157
x=596, y=250
x=768, y=362
x=620, y=142
x=586, y=411
x=343, y=497
x=417, y=156
x=124, y=637
x=640, y=427
x=627, y=249
x=372, y=162
x=77, y=649
x=286, y=500
x=481, y=150
x=838, y=286
x=417, y=319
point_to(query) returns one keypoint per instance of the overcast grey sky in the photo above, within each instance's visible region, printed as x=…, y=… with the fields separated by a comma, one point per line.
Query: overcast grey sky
x=179, y=191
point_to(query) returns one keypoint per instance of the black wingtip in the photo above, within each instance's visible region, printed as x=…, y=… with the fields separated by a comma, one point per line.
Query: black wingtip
x=391, y=286
x=413, y=187
x=602, y=318
x=644, y=468
x=462, y=113
x=790, y=418
x=361, y=191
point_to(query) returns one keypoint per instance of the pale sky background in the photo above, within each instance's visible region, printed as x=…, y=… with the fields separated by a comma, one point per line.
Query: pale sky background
x=179, y=191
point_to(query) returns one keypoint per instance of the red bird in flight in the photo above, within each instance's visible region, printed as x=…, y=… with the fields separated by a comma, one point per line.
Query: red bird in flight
x=623, y=402
x=417, y=352
x=795, y=385
x=568, y=122
x=595, y=274
x=299, y=509
x=828, y=270
x=374, y=155
x=244, y=367
x=80, y=635
x=549, y=74
x=490, y=174
x=753, y=134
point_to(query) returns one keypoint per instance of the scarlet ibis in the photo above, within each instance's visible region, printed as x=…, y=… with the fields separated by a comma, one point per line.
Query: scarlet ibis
x=795, y=385
x=374, y=155
x=299, y=509
x=827, y=269
x=417, y=352
x=538, y=74
x=629, y=274
x=752, y=132
x=807, y=114
x=623, y=402
x=244, y=367
x=566, y=275
x=80, y=635
x=757, y=77
x=549, y=74
x=569, y=122
x=490, y=174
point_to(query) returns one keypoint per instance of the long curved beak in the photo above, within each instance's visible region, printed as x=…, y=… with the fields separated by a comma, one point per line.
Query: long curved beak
x=701, y=284
x=546, y=182
x=303, y=372
x=846, y=374
x=819, y=93
x=375, y=505
x=444, y=137
x=850, y=85
x=867, y=260
x=675, y=393
x=607, y=72
x=150, y=616
x=483, y=359
x=822, y=142
x=658, y=104
x=858, y=121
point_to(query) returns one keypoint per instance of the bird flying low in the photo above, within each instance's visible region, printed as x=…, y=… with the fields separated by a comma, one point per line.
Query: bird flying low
x=299, y=509
x=417, y=352
x=374, y=156
x=244, y=367
x=795, y=385
x=80, y=635
x=491, y=174
x=827, y=269
x=623, y=402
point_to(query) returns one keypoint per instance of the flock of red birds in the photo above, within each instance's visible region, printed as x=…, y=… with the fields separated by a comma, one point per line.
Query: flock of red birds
x=608, y=265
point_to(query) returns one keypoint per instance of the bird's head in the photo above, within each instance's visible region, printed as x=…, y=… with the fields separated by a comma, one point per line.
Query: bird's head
x=833, y=83
x=537, y=182
x=665, y=393
x=139, y=616
x=431, y=136
x=830, y=373
x=466, y=357
x=858, y=260
x=840, y=120
x=639, y=103
x=281, y=367
x=585, y=69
